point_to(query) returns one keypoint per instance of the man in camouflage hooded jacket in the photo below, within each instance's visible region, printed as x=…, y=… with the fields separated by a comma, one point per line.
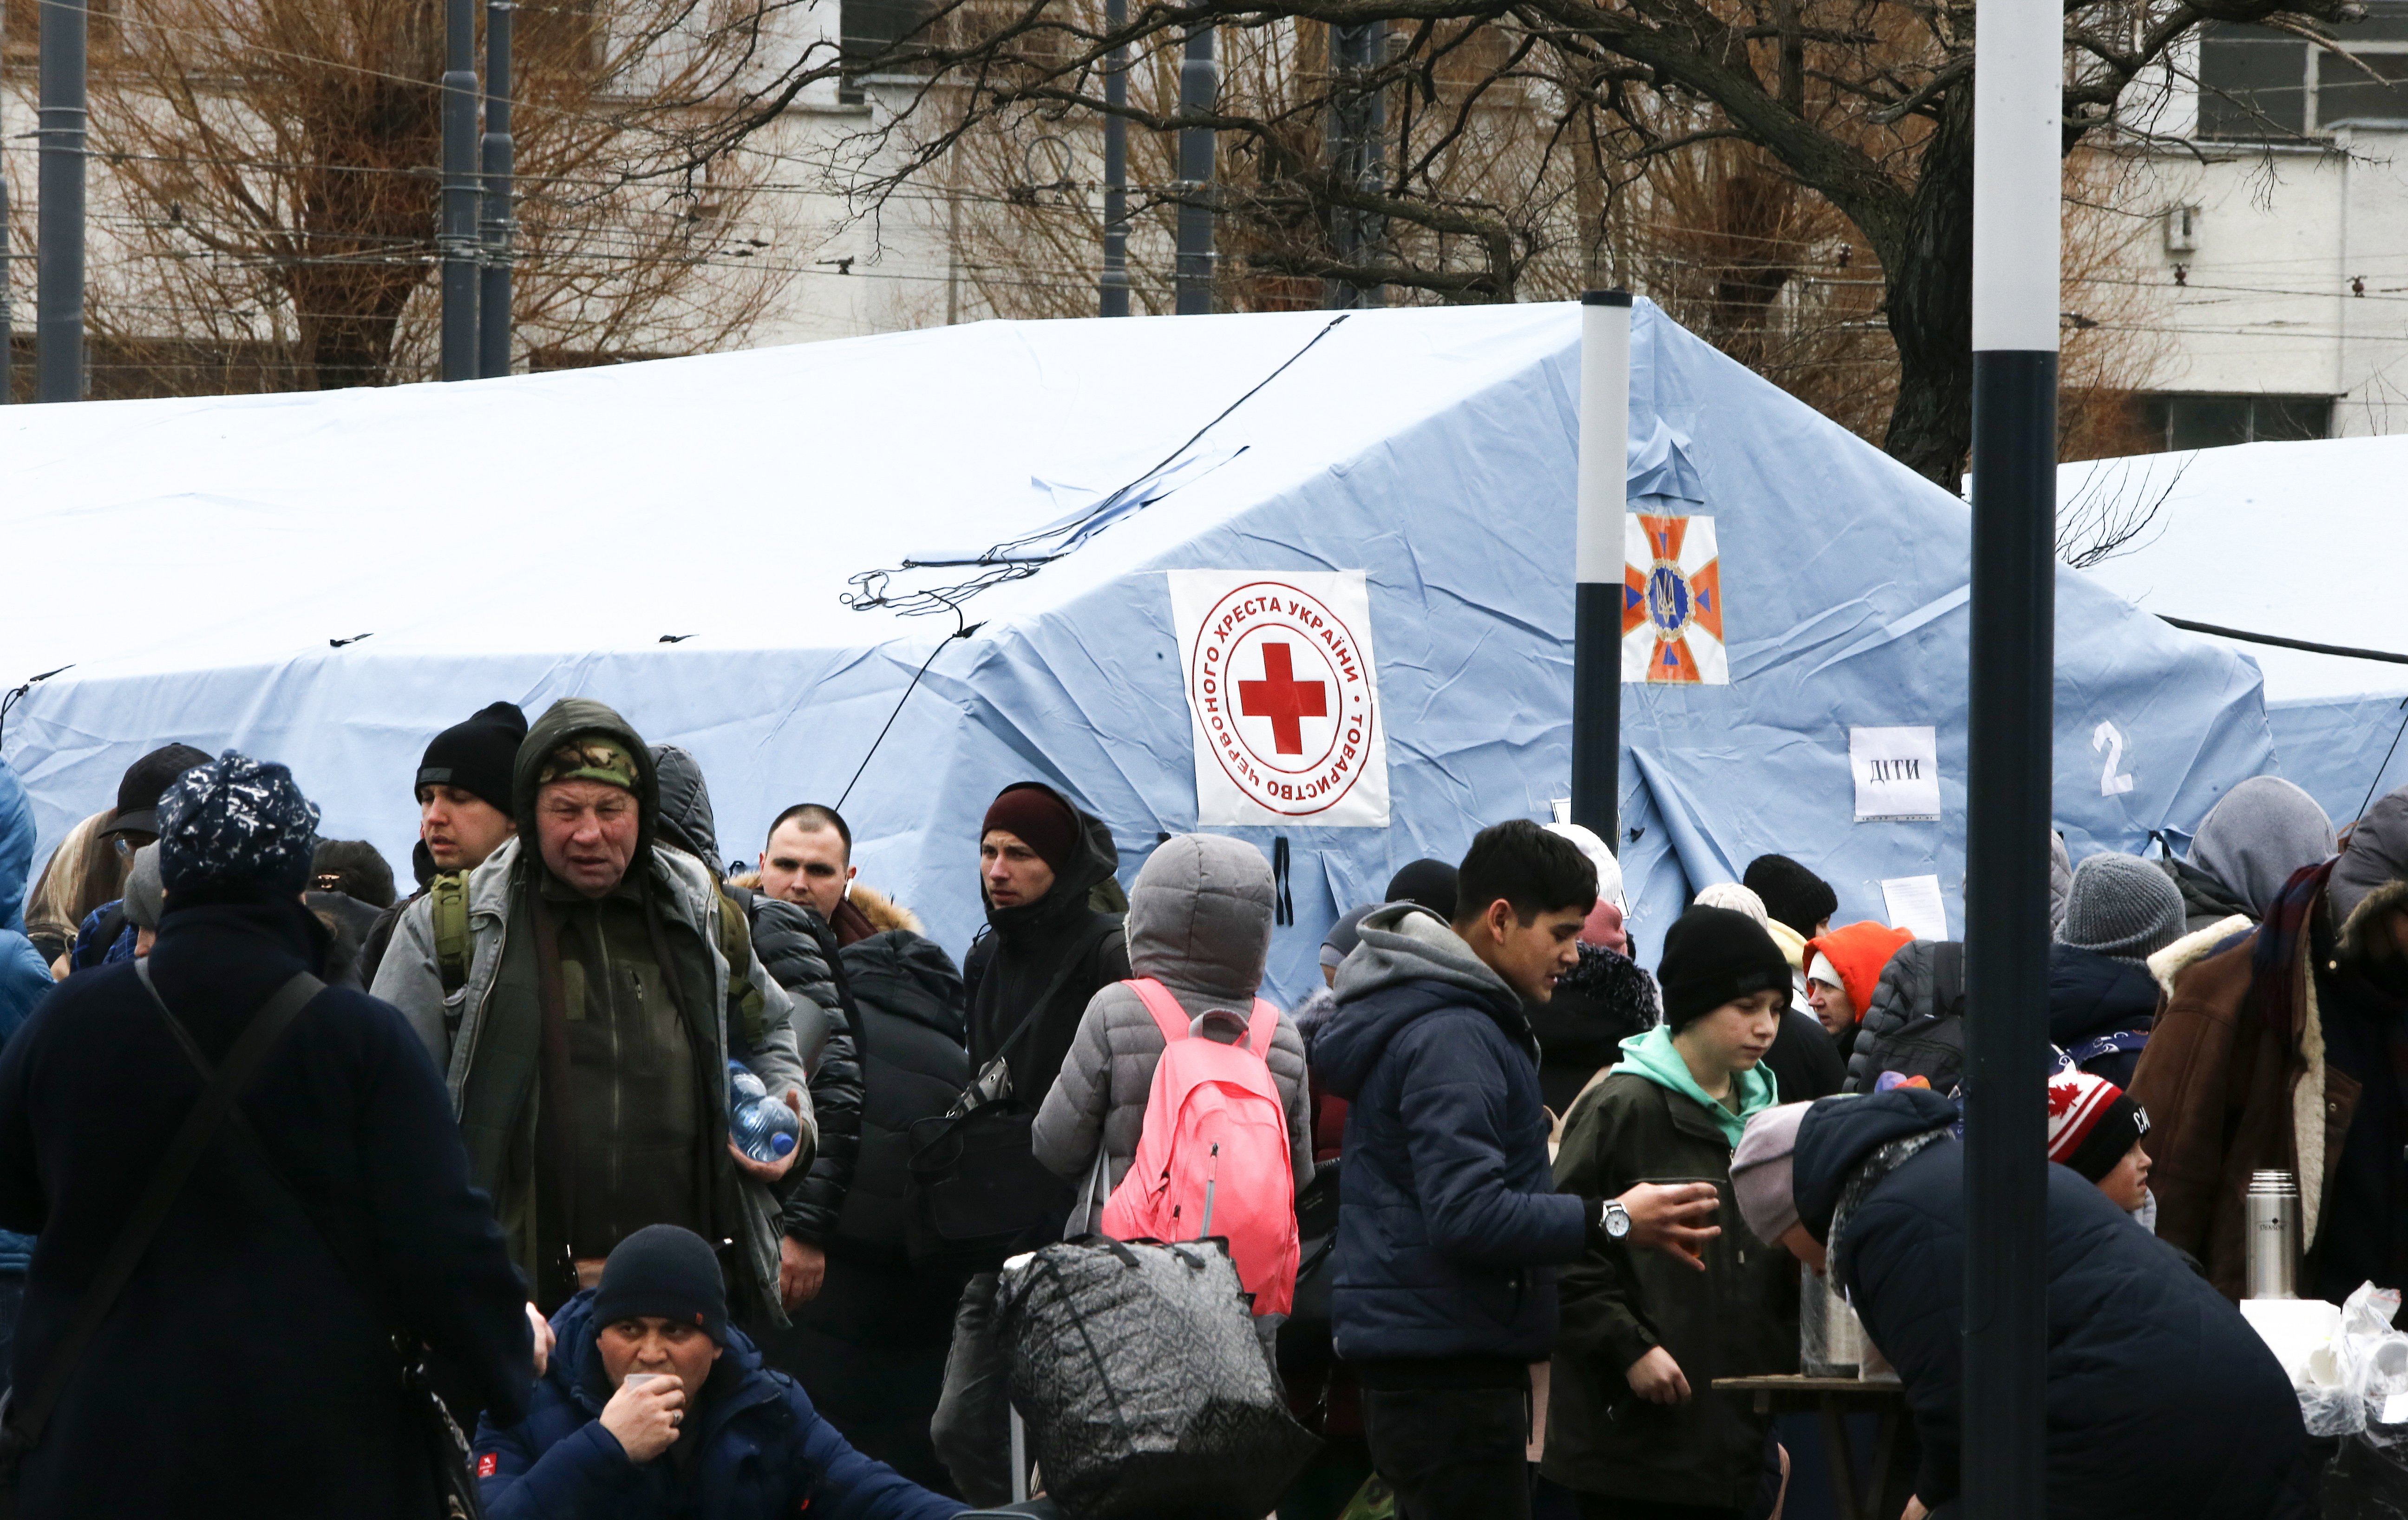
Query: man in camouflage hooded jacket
x=585, y=1028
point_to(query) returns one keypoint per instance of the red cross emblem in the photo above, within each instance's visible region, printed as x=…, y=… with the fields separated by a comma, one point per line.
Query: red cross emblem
x=1283, y=699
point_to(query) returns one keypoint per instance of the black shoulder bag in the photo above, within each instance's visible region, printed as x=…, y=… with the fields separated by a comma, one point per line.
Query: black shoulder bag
x=23, y=1421
x=979, y=1186
x=438, y=1436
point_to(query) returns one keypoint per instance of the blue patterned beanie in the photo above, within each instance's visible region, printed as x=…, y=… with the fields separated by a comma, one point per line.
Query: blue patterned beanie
x=235, y=822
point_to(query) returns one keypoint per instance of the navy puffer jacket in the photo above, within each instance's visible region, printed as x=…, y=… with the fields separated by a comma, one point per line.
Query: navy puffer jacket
x=2163, y=1404
x=765, y=1453
x=2091, y=996
x=1449, y=1225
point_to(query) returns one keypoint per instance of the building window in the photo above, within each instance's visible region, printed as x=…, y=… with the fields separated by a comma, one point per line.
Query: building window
x=2179, y=421
x=2253, y=82
x=869, y=28
x=2258, y=84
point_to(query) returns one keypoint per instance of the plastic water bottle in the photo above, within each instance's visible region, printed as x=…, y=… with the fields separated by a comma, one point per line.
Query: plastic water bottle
x=762, y=1127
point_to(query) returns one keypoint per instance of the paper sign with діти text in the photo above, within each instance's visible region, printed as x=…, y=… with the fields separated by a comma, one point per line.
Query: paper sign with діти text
x=1282, y=697
x=1897, y=772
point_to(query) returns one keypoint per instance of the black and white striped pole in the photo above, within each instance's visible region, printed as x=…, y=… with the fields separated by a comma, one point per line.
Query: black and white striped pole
x=2017, y=153
x=1598, y=557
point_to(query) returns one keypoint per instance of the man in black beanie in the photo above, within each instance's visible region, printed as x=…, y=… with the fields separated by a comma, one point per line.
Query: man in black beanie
x=464, y=788
x=1792, y=894
x=647, y=1366
x=464, y=809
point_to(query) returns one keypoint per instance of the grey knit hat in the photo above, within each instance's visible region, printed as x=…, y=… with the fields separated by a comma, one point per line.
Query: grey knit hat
x=144, y=894
x=2122, y=907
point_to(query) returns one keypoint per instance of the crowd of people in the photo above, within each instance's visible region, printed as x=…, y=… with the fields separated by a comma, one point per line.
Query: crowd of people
x=300, y=1167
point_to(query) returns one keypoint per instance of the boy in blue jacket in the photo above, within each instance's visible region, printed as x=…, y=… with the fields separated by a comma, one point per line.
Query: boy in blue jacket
x=655, y=1406
x=1450, y=1229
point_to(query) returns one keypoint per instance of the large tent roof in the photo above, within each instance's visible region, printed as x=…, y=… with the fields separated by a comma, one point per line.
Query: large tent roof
x=2299, y=540
x=208, y=566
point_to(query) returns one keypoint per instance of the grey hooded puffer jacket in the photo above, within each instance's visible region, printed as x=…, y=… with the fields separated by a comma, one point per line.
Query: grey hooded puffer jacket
x=1200, y=922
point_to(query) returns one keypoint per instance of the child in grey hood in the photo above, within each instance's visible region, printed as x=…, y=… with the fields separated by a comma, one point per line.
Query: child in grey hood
x=1200, y=922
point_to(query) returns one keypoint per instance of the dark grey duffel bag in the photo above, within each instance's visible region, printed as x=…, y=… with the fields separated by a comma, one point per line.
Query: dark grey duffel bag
x=1143, y=1383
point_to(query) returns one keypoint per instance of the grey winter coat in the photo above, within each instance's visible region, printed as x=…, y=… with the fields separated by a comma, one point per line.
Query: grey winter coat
x=1200, y=922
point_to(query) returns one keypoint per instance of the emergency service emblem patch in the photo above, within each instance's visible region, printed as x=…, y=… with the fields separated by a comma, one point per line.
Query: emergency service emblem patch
x=1673, y=601
x=1282, y=697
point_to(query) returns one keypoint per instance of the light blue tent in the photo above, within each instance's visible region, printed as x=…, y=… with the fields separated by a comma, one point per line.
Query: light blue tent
x=326, y=579
x=2295, y=540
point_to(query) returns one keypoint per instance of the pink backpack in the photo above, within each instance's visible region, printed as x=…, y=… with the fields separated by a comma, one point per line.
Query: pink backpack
x=1214, y=1157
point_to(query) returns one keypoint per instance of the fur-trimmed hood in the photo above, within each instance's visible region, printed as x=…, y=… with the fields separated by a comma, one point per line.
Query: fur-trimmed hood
x=882, y=912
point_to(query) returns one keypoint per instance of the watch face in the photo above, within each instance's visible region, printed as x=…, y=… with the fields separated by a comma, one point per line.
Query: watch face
x=1617, y=1221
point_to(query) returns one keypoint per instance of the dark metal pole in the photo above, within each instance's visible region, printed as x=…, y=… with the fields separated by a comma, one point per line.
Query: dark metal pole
x=456, y=237
x=7, y=377
x=1115, y=287
x=1199, y=93
x=1358, y=122
x=1598, y=558
x=58, y=241
x=500, y=165
x=2018, y=78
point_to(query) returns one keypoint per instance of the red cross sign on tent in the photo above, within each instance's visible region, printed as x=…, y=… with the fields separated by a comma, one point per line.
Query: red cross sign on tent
x=1673, y=601
x=1283, y=696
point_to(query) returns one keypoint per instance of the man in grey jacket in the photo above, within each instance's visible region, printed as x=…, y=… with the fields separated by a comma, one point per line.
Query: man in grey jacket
x=584, y=1015
x=1200, y=922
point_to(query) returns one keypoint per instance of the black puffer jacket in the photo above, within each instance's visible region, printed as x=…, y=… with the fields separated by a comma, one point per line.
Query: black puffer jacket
x=2163, y=1403
x=800, y=949
x=1600, y=1002
x=1908, y=994
x=908, y=1000
x=2091, y=996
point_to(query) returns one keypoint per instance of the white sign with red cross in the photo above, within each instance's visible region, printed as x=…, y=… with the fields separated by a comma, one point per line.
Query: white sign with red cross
x=1283, y=697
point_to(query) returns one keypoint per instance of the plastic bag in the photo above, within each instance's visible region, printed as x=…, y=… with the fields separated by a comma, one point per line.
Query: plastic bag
x=2377, y=1357
x=1144, y=1386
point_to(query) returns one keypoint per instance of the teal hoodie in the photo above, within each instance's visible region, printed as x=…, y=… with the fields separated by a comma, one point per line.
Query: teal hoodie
x=1652, y=1056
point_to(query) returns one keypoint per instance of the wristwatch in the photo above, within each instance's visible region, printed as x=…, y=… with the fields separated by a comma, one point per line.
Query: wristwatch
x=1617, y=1219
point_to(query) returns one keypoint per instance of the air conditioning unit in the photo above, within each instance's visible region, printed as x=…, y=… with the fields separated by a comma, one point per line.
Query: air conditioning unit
x=2181, y=230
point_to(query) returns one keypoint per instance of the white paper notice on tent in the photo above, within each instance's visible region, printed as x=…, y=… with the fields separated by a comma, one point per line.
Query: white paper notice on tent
x=1897, y=774
x=1284, y=697
x=1913, y=903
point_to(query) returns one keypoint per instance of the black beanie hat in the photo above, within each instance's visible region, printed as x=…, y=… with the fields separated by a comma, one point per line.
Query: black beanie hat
x=1428, y=882
x=1712, y=956
x=476, y=756
x=1791, y=893
x=663, y=1271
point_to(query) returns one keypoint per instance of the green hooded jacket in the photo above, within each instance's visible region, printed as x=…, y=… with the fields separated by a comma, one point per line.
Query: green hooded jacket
x=487, y=1033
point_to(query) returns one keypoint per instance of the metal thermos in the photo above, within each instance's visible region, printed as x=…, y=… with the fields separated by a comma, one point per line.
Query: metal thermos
x=1832, y=1339
x=2272, y=1220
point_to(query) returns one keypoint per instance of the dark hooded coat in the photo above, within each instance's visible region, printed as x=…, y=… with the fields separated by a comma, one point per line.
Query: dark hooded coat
x=245, y=1368
x=1450, y=1229
x=2092, y=997
x=1039, y=963
x=2163, y=1403
x=764, y=1451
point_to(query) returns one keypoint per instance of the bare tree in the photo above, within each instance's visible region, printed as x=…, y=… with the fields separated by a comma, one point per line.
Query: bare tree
x=1710, y=227
x=2116, y=510
x=1866, y=104
x=266, y=190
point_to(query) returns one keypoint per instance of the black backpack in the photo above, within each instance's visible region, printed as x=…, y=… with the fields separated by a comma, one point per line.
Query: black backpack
x=1915, y=1026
